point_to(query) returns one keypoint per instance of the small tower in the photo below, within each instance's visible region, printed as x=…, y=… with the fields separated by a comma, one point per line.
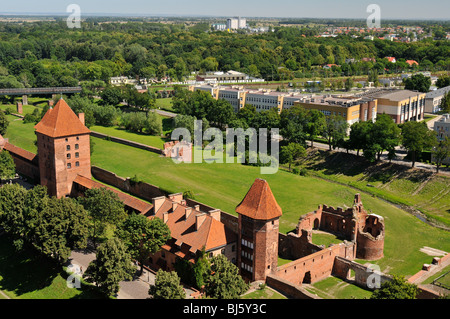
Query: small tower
x=258, y=225
x=63, y=149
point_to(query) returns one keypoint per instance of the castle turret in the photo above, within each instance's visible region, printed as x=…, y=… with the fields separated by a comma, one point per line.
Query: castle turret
x=258, y=224
x=63, y=149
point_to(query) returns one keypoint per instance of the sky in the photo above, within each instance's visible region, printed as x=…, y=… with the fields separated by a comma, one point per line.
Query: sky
x=356, y=9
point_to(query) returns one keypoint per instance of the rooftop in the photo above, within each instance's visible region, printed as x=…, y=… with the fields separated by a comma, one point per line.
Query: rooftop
x=128, y=200
x=61, y=121
x=395, y=95
x=259, y=203
x=191, y=228
x=438, y=92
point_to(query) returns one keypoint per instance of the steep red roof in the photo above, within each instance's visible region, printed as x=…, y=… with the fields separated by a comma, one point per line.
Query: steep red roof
x=210, y=235
x=17, y=151
x=259, y=203
x=61, y=121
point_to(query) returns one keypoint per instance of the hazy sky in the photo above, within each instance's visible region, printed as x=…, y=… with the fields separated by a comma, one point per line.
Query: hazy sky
x=412, y=9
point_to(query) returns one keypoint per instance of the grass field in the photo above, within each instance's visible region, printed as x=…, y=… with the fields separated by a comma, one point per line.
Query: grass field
x=225, y=185
x=399, y=184
x=21, y=134
x=155, y=141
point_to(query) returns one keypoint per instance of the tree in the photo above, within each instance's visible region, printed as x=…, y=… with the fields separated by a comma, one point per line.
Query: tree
x=7, y=166
x=111, y=95
x=443, y=81
x=291, y=152
x=384, y=134
x=12, y=198
x=112, y=265
x=104, y=207
x=4, y=122
x=360, y=136
x=153, y=124
x=167, y=286
x=416, y=137
x=441, y=151
x=397, y=288
x=418, y=82
x=293, y=123
x=142, y=236
x=445, y=103
x=335, y=130
x=60, y=226
x=315, y=124
x=224, y=281
x=349, y=84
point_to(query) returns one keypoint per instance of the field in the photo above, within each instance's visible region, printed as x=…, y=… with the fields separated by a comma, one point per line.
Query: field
x=225, y=185
x=418, y=189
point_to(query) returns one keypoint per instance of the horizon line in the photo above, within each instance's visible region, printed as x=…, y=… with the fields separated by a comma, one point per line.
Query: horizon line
x=166, y=15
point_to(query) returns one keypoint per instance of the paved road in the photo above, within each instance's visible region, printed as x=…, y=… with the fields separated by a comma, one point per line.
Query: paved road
x=134, y=289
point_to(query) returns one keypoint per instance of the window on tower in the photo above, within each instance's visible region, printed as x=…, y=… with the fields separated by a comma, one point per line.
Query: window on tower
x=69, y=165
x=68, y=147
x=76, y=146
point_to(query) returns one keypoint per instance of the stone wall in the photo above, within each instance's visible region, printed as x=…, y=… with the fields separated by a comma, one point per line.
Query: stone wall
x=365, y=277
x=127, y=142
x=288, y=288
x=140, y=189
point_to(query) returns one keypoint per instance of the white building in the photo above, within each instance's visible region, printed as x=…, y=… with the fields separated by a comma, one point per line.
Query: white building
x=442, y=127
x=434, y=98
x=236, y=23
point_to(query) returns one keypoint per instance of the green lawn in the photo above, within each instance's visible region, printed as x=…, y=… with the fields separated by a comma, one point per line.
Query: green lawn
x=164, y=104
x=265, y=293
x=155, y=141
x=333, y=287
x=26, y=275
x=21, y=134
x=224, y=185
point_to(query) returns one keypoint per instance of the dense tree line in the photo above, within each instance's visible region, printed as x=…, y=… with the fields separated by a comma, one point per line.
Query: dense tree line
x=49, y=54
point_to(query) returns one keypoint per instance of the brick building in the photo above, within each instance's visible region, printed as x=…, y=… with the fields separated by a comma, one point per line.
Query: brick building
x=63, y=149
x=259, y=215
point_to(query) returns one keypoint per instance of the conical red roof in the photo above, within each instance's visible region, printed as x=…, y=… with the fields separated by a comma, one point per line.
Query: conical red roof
x=259, y=203
x=61, y=121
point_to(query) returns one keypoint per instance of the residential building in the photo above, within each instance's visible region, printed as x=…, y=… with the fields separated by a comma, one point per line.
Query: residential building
x=215, y=77
x=353, y=109
x=442, y=128
x=122, y=80
x=434, y=98
x=236, y=23
x=401, y=105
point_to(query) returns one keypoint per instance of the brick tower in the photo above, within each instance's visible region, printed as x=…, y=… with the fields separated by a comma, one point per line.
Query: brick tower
x=63, y=149
x=258, y=224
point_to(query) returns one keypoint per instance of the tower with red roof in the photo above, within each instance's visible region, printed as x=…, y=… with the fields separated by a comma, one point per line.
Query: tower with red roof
x=258, y=225
x=63, y=149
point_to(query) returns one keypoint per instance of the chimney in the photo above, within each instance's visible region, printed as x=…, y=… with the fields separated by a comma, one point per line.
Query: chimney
x=165, y=217
x=197, y=207
x=215, y=214
x=157, y=203
x=174, y=206
x=199, y=219
x=188, y=211
x=81, y=117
